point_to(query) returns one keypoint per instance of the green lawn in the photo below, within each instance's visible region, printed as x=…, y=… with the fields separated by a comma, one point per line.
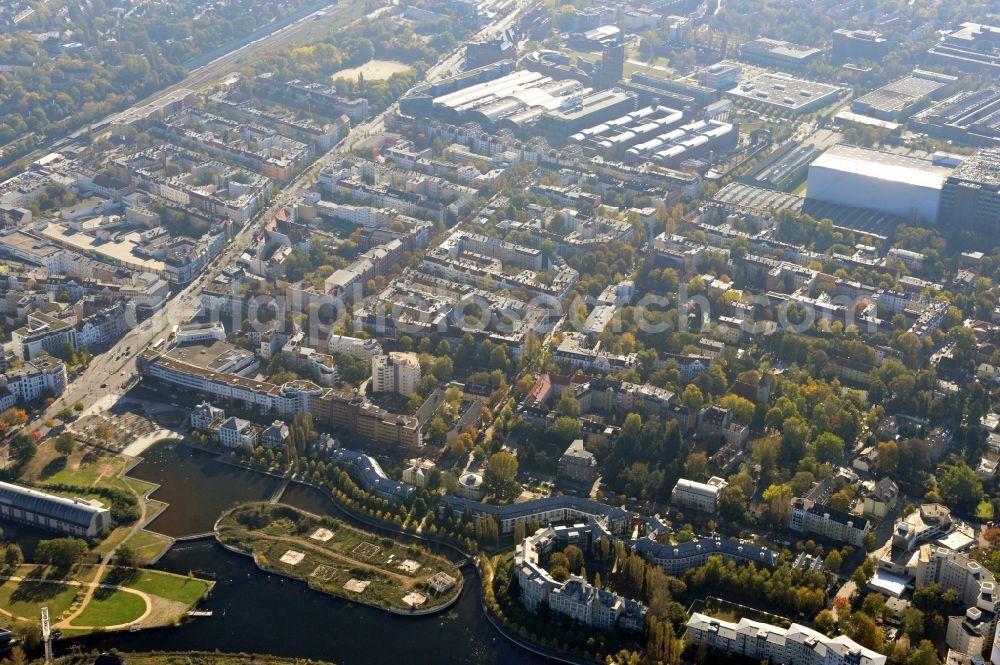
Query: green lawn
x=139, y=486
x=349, y=553
x=111, y=608
x=84, y=468
x=148, y=545
x=26, y=599
x=164, y=585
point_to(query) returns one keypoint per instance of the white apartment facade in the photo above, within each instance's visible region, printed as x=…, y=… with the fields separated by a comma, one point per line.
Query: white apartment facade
x=697, y=496
x=45, y=376
x=395, y=372
x=355, y=347
x=797, y=644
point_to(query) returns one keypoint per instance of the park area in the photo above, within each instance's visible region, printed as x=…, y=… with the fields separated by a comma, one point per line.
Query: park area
x=341, y=560
x=121, y=598
x=373, y=70
x=82, y=471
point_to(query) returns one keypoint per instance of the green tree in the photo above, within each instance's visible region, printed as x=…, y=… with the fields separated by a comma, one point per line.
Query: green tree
x=64, y=443
x=733, y=503
x=794, y=434
x=692, y=397
x=777, y=498
x=960, y=488
x=125, y=557
x=568, y=405
x=888, y=458
x=574, y=558
x=913, y=623
x=13, y=556
x=442, y=368
x=834, y=561
x=742, y=408
x=62, y=552
x=829, y=447
x=501, y=475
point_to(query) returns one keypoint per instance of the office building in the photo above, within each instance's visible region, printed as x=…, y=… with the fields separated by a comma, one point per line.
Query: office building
x=783, y=93
x=779, y=54
x=611, y=69
x=972, y=48
x=855, y=45
x=970, y=200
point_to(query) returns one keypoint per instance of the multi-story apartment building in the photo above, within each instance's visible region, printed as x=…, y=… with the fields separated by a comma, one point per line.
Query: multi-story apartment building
x=797, y=644
x=395, y=372
x=43, y=333
x=235, y=432
x=44, y=376
x=578, y=463
x=205, y=415
x=355, y=347
x=550, y=510
x=697, y=496
x=810, y=517
x=368, y=473
x=948, y=569
x=351, y=412
x=219, y=373
x=574, y=598
x=675, y=558
x=969, y=633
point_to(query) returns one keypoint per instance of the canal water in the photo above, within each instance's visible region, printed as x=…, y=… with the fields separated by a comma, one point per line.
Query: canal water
x=197, y=486
x=257, y=612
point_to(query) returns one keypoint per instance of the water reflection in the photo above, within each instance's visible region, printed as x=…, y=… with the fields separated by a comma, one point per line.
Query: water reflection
x=197, y=486
x=256, y=612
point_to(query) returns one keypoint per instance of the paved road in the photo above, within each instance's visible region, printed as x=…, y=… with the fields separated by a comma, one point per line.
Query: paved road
x=197, y=77
x=110, y=372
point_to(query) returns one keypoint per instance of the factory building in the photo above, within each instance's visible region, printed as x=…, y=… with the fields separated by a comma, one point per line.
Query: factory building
x=696, y=139
x=614, y=137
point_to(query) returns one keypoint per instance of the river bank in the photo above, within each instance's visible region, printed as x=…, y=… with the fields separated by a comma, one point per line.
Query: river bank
x=258, y=612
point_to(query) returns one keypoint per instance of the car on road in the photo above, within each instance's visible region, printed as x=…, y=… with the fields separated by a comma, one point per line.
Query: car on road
x=104, y=385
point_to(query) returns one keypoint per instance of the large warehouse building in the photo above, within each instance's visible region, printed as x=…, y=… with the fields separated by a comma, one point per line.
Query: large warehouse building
x=894, y=184
x=75, y=517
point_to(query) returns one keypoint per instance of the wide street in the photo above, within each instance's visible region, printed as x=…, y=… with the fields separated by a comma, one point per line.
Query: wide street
x=110, y=373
